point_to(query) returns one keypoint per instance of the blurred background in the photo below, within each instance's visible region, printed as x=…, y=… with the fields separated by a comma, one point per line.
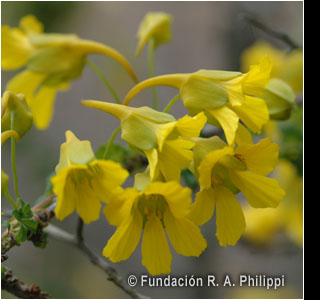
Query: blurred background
x=210, y=35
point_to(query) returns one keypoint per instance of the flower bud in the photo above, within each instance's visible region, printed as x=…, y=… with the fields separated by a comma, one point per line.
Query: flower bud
x=155, y=25
x=15, y=113
x=280, y=99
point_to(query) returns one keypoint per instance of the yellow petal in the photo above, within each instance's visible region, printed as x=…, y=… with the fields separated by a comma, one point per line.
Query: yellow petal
x=31, y=25
x=15, y=48
x=119, y=208
x=202, y=208
x=152, y=156
x=189, y=127
x=243, y=135
x=206, y=166
x=228, y=120
x=126, y=238
x=230, y=219
x=66, y=194
x=260, y=158
x=253, y=112
x=175, y=155
x=258, y=77
x=156, y=255
x=184, y=235
x=260, y=191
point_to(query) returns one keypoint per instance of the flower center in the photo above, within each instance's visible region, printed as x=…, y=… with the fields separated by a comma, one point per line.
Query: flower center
x=84, y=176
x=149, y=205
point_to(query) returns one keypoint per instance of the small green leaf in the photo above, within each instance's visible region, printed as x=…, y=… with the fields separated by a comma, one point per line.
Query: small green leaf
x=32, y=225
x=3, y=272
x=22, y=234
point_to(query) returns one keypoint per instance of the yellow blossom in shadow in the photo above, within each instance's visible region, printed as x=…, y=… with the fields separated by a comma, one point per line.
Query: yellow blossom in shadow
x=222, y=172
x=164, y=140
x=225, y=97
x=82, y=181
x=158, y=208
x=52, y=60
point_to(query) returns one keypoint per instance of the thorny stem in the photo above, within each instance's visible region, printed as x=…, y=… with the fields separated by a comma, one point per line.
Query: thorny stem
x=104, y=80
x=109, y=145
x=170, y=104
x=151, y=72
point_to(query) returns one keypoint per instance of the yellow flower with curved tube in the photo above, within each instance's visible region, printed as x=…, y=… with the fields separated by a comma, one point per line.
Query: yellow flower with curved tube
x=51, y=61
x=287, y=66
x=223, y=172
x=82, y=182
x=225, y=97
x=15, y=113
x=155, y=25
x=164, y=140
x=159, y=207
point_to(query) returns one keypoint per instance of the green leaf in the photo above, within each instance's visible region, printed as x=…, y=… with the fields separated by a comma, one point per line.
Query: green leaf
x=32, y=225
x=189, y=179
x=22, y=235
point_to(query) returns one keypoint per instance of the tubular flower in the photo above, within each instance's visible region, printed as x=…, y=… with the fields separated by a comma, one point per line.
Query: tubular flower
x=82, y=182
x=51, y=61
x=164, y=140
x=159, y=207
x=225, y=97
x=223, y=172
x=155, y=25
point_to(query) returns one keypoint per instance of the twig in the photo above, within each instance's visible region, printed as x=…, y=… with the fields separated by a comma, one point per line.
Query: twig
x=276, y=34
x=78, y=242
x=18, y=288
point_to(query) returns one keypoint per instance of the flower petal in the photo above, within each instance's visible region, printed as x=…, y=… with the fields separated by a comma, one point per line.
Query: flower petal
x=253, y=112
x=202, y=208
x=156, y=255
x=230, y=219
x=260, y=191
x=184, y=235
x=126, y=238
x=260, y=158
x=228, y=120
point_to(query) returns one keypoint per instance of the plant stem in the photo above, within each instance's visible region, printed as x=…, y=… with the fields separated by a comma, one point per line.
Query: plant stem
x=104, y=80
x=13, y=160
x=6, y=192
x=151, y=71
x=172, y=101
x=108, y=147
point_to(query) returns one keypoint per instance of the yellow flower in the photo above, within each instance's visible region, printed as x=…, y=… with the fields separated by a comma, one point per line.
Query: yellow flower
x=156, y=26
x=263, y=225
x=158, y=208
x=15, y=113
x=51, y=61
x=82, y=182
x=225, y=97
x=223, y=172
x=164, y=140
x=287, y=65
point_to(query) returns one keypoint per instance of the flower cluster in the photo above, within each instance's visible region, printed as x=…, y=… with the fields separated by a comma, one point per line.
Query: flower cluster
x=157, y=206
